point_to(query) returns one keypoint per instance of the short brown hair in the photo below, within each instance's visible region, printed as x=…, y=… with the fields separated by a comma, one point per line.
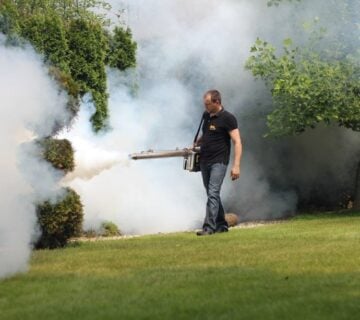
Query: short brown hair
x=215, y=95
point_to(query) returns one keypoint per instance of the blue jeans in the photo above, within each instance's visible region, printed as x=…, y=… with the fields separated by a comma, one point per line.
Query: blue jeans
x=213, y=176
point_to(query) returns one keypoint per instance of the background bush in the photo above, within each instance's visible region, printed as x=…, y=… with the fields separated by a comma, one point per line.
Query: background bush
x=109, y=229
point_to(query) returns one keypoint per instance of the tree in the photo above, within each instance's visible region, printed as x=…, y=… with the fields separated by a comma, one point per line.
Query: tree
x=307, y=89
x=77, y=45
x=76, y=41
x=310, y=84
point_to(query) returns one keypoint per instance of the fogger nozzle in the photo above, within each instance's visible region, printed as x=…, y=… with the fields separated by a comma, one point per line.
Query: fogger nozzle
x=191, y=156
x=151, y=154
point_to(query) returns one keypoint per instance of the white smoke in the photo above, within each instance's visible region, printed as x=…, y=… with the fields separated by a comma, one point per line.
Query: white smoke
x=141, y=197
x=185, y=48
x=29, y=105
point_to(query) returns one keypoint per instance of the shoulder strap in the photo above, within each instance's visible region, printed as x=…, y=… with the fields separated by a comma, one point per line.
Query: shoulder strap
x=198, y=131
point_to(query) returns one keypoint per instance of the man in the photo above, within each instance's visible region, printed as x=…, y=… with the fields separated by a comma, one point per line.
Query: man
x=219, y=127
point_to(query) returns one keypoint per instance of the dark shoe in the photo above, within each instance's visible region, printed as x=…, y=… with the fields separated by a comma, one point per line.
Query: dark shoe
x=222, y=230
x=204, y=233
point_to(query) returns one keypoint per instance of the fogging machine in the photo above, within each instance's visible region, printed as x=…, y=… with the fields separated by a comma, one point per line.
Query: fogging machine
x=191, y=156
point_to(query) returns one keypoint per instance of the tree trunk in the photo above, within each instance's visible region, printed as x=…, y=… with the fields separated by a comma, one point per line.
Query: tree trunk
x=357, y=189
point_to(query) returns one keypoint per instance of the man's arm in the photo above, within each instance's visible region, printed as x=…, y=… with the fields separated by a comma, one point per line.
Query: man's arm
x=235, y=138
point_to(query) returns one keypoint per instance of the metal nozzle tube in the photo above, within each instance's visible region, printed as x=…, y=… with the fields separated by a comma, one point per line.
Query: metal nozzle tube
x=162, y=154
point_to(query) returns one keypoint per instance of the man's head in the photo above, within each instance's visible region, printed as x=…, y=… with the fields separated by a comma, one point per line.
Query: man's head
x=212, y=101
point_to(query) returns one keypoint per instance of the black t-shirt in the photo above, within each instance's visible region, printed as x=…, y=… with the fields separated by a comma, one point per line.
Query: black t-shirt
x=215, y=141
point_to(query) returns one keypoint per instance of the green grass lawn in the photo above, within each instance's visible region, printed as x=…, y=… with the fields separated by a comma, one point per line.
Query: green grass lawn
x=305, y=268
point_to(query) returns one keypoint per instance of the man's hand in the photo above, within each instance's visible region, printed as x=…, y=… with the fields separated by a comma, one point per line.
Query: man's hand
x=235, y=173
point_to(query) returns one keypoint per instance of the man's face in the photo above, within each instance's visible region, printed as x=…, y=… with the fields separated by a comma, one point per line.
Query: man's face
x=211, y=107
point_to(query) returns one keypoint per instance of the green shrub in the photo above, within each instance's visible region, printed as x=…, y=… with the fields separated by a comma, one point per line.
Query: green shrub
x=60, y=221
x=109, y=229
x=59, y=153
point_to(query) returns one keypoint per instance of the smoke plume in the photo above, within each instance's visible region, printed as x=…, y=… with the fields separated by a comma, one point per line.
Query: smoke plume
x=185, y=48
x=30, y=104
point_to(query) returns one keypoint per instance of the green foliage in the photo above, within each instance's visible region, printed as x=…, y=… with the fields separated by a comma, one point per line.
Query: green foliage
x=67, y=83
x=59, y=153
x=109, y=229
x=307, y=88
x=86, y=56
x=9, y=18
x=47, y=34
x=88, y=47
x=99, y=117
x=75, y=42
x=319, y=82
x=60, y=221
x=122, y=49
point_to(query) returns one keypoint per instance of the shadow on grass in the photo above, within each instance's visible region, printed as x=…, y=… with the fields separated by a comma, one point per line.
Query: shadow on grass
x=326, y=215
